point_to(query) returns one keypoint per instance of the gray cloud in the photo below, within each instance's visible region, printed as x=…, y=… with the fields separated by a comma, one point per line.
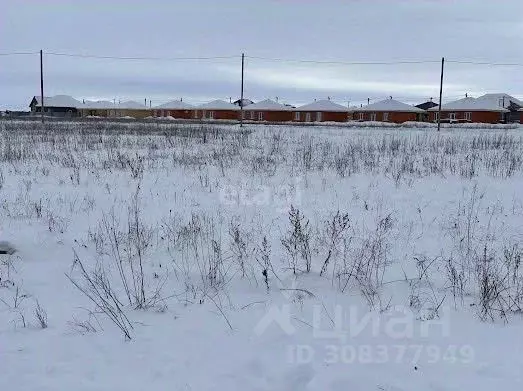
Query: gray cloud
x=327, y=30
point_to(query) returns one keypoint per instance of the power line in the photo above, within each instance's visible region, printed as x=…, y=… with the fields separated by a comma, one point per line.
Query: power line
x=494, y=64
x=345, y=62
x=273, y=59
x=18, y=53
x=140, y=58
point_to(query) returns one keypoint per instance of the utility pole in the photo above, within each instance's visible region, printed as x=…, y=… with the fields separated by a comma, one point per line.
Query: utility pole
x=440, y=92
x=241, y=95
x=42, y=85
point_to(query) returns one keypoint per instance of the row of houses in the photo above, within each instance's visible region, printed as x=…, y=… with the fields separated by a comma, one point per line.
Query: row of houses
x=489, y=108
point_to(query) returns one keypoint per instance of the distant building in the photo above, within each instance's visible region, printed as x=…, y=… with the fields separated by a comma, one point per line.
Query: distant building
x=268, y=110
x=128, y=109
x=101, y=108
x=489, y=108
x=56, y=106
x=16, y=113
x=217, y=109
x=175, y=109
x=321, y=111
x=388, y=110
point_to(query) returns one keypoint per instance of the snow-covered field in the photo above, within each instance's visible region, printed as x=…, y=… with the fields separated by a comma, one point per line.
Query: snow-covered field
x=187, y=257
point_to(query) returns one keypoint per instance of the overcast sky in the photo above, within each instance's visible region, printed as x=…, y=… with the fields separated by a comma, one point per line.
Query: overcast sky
x=318, y=30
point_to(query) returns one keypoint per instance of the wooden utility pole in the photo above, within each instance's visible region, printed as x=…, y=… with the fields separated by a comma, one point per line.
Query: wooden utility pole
x=42, y=107
x=441, y=92
x=241, y=95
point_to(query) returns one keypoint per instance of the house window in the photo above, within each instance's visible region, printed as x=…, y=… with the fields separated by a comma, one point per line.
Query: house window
x=253, y=115
x=211, y=114
x=168, y=113
x=452, y=115
x=468, y=116
x=501, y=102
x=373, y=116
x=361, y=116
x=296, y=116
x=385, y=117
x=244, y=115
x=260, y=116
x=436, y=116
x=318, y=116
x=162, y=113
x=308, y=117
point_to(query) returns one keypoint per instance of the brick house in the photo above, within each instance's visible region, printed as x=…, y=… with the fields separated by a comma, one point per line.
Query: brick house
x=217, y=109
x=388, y=110
x=100, y=108
x=489, y=108
x=132, y=109
x=321, y=111
x=174, y=109
x=56, y=106
x=107, y=109
x=268, y=110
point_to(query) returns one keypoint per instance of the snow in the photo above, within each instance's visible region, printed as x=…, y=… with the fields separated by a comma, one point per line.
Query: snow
x=490, y=102
x=323, y=105
x=175, y=105
x=101, y=104
x=58, y=101
x=218, y=105
x=130, y=104
x=494, y=100
x=416, y=197
x=390, y=105
x=267, y=105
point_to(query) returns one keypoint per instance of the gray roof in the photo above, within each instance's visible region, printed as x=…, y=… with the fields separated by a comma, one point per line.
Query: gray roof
x=58, y=101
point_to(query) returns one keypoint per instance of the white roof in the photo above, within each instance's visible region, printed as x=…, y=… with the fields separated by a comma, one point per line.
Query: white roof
x=218, y=105
x=130, y=104
x=499, y=100
x=58, y=101
x=175, y=105
x=101, y=104
x=460, y=104
x=323, y=105
x=267, y=105
x=484, y=103
x=391, y=105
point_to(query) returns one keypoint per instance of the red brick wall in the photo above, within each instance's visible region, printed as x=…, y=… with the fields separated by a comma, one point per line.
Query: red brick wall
x=270, y=116
x=326, y=116
x=488, y=117
x=335, y=116
x=395, y=117
x=182, y=114
x=218, y=114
